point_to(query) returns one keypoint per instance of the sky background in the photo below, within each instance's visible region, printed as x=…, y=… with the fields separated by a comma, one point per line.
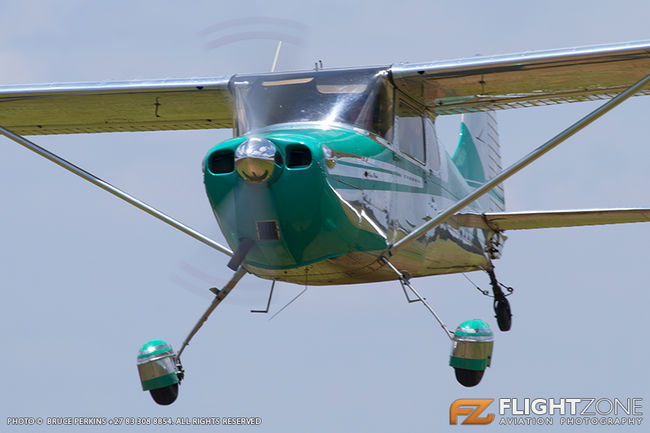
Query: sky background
x=86, y=279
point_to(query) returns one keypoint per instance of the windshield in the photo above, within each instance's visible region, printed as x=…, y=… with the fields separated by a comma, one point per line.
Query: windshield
x=359, y=97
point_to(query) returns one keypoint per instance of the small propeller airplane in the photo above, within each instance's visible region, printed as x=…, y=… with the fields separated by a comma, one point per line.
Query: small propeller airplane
x=336, y=176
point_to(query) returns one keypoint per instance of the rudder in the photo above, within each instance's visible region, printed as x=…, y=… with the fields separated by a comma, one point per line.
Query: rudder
x=478, y=155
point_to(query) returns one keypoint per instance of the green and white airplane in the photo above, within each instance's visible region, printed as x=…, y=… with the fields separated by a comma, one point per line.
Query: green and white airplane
x=337, y=176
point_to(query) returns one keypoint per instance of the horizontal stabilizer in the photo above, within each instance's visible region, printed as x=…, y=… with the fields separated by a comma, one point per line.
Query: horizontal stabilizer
x=501, y=221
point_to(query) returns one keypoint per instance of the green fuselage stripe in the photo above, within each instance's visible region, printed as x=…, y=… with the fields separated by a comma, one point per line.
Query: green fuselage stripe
x=366, y=167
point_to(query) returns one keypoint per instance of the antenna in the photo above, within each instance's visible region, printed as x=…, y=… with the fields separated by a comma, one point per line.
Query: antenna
x=277, y=54
x=297, y=296
x=289, y=303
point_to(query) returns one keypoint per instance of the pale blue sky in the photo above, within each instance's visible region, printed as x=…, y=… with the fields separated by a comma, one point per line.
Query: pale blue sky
x=87, y=279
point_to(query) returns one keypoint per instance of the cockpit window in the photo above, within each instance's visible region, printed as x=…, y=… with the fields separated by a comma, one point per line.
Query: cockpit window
x=361, y=98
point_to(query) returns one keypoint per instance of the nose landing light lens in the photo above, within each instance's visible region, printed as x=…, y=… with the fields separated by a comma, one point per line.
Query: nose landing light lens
x=254, y=159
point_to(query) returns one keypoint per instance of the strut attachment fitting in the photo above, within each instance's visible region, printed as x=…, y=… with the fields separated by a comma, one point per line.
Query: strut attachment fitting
x=404, y=279
x=501, y=305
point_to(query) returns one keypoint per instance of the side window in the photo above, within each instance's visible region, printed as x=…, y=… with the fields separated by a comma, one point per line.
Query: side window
x=410, y=131
x=431, y=139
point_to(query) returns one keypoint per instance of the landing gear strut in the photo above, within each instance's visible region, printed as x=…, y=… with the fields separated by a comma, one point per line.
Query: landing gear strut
x=501, y=304
x=471, y=351
x=160, y=368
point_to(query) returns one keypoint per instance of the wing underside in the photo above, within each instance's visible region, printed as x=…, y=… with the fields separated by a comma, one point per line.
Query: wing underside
x=525, y=80
x=447, y=87
x=548, y=219
x=116, y=106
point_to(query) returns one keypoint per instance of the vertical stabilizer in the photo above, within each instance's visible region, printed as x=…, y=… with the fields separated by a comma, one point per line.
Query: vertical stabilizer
x=478, y=155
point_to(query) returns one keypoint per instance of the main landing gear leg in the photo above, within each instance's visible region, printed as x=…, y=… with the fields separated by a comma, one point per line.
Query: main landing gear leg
x=472, y=342
x=160, y=369
x=501, y=304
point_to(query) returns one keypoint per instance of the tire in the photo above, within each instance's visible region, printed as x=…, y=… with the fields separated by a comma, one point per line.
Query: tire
x=503, y=314
x=468, y=378
x=165, y=396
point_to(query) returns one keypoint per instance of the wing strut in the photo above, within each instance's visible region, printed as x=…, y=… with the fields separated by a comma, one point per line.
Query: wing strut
x=514, y=168
x=113, y=190
x=220, y=295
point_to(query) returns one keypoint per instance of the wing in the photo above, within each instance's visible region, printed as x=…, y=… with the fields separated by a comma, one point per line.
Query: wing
x=116, y=106
x=448, y=87
x=546, y=219
x=524, y=80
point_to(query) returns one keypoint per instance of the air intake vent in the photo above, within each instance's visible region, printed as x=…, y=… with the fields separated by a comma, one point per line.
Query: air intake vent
x=222, y=162
x=267, y=231
x=298, y=156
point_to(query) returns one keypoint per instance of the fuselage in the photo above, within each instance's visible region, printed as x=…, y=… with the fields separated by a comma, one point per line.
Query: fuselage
x=322, y=200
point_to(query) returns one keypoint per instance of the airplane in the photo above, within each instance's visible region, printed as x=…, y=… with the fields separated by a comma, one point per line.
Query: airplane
x=336, y=176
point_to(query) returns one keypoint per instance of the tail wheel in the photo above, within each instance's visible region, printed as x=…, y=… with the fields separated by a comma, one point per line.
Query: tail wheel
x=165, y=396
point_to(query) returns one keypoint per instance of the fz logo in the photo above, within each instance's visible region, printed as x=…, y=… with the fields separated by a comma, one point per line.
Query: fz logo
x=471, y=408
